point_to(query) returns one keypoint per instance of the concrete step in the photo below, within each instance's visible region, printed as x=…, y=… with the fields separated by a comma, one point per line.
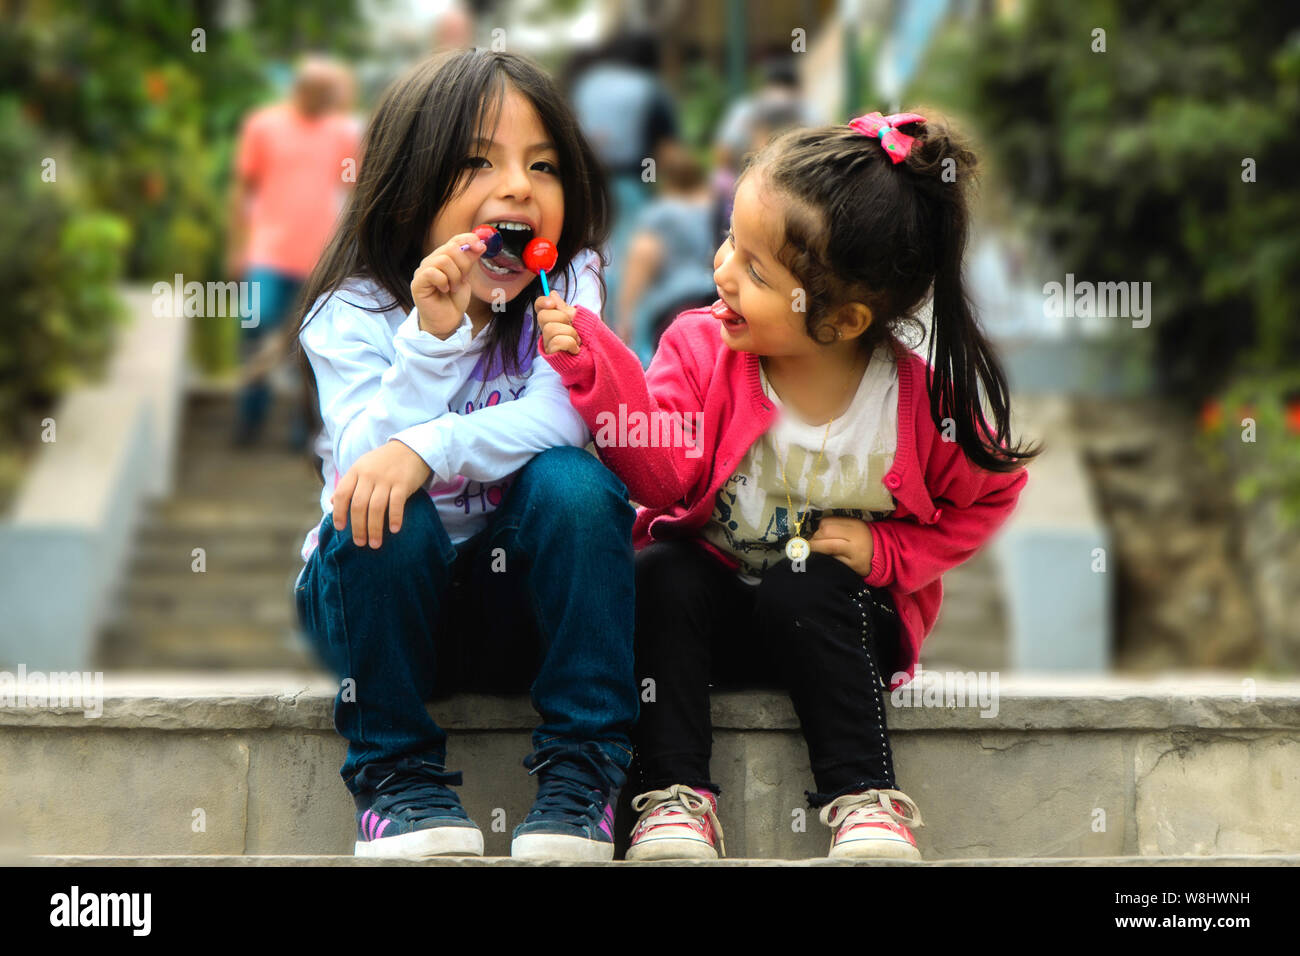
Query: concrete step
x=248, y=510
x=244, y=765
x=222, y=587
x=505, y=861
x=184, y=526
x=260, y=558
x=157, y=645
x=196, y=605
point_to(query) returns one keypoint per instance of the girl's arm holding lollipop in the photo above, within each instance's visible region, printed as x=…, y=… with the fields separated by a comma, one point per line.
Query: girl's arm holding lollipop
x=607, y=382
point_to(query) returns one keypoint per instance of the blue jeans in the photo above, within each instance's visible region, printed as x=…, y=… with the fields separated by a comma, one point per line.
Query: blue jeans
x=276, y=294
x=540, y=600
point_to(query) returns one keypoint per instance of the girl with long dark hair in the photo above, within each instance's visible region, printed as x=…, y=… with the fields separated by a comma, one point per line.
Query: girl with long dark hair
x=468, y=542
x=799, y=534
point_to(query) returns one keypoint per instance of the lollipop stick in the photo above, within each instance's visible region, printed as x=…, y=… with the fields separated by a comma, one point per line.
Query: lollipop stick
x=546, y=289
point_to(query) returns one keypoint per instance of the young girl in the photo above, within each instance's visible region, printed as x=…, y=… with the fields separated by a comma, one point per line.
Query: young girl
x=840, y=475
x=505, y=566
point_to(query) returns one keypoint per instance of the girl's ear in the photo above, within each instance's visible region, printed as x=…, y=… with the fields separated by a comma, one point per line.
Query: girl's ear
x=851, y=320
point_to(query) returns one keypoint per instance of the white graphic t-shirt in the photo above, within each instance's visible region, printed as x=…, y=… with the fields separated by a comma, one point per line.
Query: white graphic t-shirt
x=751, y=518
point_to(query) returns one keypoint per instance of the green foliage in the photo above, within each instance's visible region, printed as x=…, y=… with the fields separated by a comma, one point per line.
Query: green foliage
x=1267, y=466
x=145, y=127
x=59, y=265
x=1130, y=162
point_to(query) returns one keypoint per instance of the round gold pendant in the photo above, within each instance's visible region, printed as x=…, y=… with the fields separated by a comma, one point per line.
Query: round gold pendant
x=797, y=549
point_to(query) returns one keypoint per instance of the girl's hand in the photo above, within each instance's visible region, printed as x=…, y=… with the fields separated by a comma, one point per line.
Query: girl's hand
x=440, y=286
x=847, y=540
x=379, y=482
x=555, y=316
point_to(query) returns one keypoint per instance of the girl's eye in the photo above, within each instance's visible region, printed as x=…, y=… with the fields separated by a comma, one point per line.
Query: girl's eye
x=756, y=276
x=731, y=238
x=476, y=162
x=545, y=166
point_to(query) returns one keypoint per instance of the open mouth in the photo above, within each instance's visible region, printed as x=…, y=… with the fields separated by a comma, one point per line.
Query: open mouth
x=514, y=236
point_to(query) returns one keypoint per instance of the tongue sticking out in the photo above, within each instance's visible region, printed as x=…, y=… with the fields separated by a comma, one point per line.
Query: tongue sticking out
x=725, y=312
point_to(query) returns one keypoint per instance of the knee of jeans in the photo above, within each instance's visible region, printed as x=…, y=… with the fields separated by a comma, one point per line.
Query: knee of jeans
x=421, y=538
x=573, y=481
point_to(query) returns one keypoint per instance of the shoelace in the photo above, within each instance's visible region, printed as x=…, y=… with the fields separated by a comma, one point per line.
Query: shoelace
x=417, y=785
x=677, y=800
x=567, y=787
x=871, y=806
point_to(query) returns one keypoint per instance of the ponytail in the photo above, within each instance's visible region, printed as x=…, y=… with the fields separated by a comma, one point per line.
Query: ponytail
x=962, y=362
x=865, y=228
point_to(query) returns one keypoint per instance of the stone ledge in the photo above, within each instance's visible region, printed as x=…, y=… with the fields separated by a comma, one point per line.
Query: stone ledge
x=1094, y=769
x=499, y=861
x=185, y=702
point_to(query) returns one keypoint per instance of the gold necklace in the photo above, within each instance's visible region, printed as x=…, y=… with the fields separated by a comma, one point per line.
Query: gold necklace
x=798, y=548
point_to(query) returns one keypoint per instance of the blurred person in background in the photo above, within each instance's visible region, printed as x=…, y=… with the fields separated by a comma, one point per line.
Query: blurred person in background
x=453, y=29
x=670, y=255
x=345, y=100
x=751, y=122
x=290, y=176
x=628, y=116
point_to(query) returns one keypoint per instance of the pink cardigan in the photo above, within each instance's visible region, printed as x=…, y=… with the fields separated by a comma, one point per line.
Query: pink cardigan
x=945, y=507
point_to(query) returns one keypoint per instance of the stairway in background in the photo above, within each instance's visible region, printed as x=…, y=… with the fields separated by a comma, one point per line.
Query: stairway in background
x=248, y=509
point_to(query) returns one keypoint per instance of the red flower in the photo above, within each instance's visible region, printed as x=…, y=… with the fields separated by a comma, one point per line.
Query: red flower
x=155, y=86
x=1211, y=415
x=1293, y=417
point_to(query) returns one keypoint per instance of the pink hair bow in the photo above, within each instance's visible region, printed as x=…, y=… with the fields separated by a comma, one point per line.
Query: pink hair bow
x=885, y=128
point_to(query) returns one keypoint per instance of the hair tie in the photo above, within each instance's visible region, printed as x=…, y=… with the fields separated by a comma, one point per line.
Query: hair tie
x=885, y=128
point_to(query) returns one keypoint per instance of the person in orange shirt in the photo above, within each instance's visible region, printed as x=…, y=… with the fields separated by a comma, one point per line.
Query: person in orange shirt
x=293, y=165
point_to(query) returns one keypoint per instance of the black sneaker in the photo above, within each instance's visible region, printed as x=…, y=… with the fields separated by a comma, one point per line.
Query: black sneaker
x=406, y=809
x=573, y=815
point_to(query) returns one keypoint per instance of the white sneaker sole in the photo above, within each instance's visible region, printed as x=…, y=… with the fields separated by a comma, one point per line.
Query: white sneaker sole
x=671, y=848
x=557, y=846
x=437, y=841
x=875, y=850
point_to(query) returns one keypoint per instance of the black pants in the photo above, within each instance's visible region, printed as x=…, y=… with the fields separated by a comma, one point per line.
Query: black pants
x=821, y=634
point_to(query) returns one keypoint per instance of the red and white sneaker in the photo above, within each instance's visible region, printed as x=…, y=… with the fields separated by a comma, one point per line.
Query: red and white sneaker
x=676, y=824
x=873, y=824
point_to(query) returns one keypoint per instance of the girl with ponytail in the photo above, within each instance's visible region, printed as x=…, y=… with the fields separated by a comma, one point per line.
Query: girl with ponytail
x=826, y=475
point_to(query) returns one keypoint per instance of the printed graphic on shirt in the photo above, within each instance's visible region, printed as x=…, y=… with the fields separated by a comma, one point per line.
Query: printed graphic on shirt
x=508, y=392
x=752, y=517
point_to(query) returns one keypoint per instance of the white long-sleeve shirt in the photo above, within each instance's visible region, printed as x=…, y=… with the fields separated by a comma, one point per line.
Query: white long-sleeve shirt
x=380, y=377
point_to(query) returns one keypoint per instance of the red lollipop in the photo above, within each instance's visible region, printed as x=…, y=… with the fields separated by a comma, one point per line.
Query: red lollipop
x=491, y=238
x=539, y=257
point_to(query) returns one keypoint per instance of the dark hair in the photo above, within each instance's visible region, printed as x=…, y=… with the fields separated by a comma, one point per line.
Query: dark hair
x=413, y=159
x=859, y=228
